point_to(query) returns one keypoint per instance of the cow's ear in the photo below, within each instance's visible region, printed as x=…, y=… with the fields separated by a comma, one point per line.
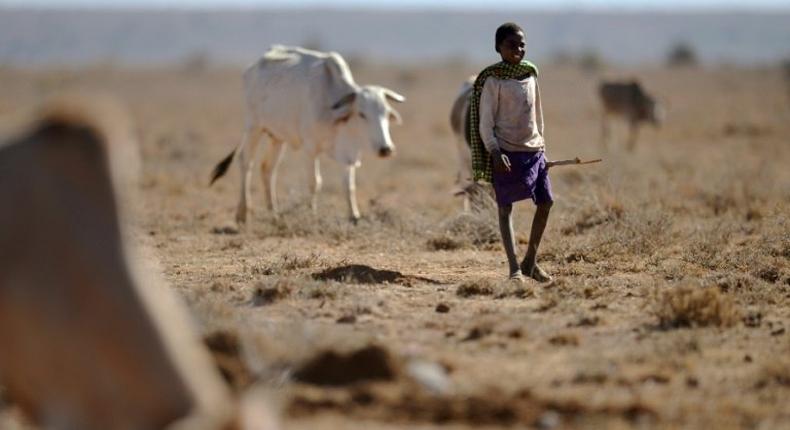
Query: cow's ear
x=343, y=117
x=345, y=100
x=395, y=117
x=342, y=109
x=392, y=95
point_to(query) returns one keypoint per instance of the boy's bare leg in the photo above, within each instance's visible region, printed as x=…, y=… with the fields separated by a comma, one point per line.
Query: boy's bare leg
x=506, y=230
x=529, y=265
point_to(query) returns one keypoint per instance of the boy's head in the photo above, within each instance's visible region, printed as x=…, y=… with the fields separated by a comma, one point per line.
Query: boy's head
x=510, y=42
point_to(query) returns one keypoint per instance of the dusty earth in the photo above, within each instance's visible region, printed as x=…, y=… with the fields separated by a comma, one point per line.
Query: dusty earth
x=670, y=304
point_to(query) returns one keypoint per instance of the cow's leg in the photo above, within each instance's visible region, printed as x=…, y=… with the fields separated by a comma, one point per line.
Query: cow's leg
x=314, y=180
x=464, y=186
x=464, y=178
x=633, y=135
x=351, y=192
x=269, y=164
x=246, y=157
x=605, y=131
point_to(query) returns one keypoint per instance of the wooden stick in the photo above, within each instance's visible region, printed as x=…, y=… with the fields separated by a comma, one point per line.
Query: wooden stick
x=572, y=161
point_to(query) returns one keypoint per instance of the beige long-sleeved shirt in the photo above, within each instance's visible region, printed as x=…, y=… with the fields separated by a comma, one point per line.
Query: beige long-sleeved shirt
x=511, y=116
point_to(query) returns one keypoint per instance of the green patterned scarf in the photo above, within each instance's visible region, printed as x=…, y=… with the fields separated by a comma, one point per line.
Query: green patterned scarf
x=481, y=159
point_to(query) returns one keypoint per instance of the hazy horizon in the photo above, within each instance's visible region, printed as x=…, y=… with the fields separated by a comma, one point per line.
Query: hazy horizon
x=451, y=5
x=40, y=37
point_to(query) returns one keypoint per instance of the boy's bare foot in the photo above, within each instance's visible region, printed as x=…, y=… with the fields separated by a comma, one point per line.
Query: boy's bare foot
x=536, y=272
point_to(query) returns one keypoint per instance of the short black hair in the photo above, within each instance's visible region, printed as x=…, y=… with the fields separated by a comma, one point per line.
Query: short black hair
x=504, y=31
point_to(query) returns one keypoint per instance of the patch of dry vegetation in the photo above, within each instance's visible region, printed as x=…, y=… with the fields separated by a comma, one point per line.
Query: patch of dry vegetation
x=476, y=228
x=693, y=305
x=476, y=287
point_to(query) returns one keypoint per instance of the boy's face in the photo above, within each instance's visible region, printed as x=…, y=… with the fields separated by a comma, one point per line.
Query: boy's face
x=512, y=49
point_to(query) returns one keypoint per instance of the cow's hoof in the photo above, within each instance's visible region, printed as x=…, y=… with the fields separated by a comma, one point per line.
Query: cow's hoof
x=354, y=220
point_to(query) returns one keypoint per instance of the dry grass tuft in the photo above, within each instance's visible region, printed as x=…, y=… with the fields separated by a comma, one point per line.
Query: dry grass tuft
x=476, y=228
x=691, y=305
x=774, y=372
x=477, y=287
x=265, y=294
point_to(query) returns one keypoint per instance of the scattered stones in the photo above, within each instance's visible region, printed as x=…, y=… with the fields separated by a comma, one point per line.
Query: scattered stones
x=430, y=375
x=225, y=230
x=478, y=332
x=347, y=319
x=442, y=308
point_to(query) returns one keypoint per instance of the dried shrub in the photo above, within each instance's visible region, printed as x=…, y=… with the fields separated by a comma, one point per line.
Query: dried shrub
x=706, y=247
x=598, y=214
x=477, y=287
x=477, y=227
x=291, y=262
x=641, y=233
x=774, y=372
x=467, y=230
x=266, y=293
x=691, y=305
x=444, y=242
x=319, y=290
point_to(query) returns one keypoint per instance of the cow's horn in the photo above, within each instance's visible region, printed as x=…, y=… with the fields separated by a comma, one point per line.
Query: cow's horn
x=392, y=95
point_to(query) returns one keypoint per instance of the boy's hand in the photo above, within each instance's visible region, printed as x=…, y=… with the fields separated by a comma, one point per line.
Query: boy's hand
x=500, y=160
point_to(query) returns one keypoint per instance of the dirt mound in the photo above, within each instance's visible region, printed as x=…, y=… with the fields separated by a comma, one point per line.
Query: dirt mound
x=331, y=368
x=363, y=274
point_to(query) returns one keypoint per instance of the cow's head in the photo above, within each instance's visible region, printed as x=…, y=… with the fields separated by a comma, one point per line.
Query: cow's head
x=365, y=115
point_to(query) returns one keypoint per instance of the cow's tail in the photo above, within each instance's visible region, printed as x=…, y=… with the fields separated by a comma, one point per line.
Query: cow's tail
x=222, y=167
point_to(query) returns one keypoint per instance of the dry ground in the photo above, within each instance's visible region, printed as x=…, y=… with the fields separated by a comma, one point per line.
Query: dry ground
x=670, y=305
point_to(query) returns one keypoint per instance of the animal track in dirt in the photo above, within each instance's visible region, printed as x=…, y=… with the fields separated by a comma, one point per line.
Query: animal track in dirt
x=363, y=274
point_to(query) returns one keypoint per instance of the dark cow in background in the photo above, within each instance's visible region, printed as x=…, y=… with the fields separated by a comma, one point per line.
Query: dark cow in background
x=630, y=102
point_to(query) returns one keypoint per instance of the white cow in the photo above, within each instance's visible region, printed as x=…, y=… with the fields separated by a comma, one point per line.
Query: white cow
x=458, y=112
x=310, y=100
x=89, y=342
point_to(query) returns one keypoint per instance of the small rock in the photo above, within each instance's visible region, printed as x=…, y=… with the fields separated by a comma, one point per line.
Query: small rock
x=442, y=308
x=431, y=375
x=347, y=319
x=549, y=420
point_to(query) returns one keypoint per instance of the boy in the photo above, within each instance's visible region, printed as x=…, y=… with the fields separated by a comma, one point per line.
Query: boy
x=505, y=132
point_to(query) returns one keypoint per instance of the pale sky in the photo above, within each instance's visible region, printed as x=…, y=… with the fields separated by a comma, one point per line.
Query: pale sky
x=670, y=5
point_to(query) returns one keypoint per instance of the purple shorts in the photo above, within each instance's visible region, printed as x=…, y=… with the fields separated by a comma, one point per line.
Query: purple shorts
x=528, y=179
